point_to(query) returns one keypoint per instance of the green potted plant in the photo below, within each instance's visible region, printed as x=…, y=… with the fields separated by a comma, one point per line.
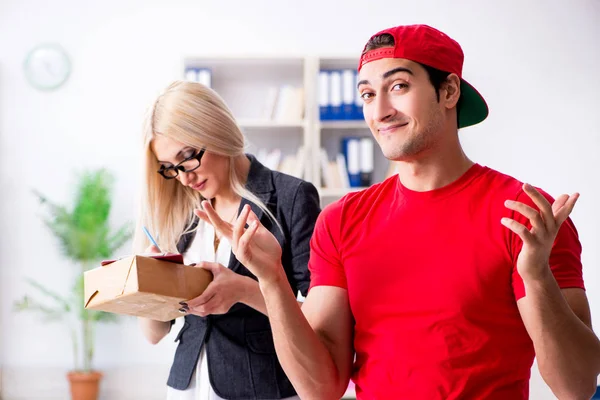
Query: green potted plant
x=85, y=237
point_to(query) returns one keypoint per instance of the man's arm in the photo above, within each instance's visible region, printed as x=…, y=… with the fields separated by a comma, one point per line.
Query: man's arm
x=314, y=344
x=558, y=322
x=567, y=350
x=314, y=348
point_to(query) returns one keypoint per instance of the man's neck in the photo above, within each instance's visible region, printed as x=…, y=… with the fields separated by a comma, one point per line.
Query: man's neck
x=434, y=170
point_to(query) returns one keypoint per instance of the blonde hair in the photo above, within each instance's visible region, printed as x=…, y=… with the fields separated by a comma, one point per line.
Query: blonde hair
x=196, y=116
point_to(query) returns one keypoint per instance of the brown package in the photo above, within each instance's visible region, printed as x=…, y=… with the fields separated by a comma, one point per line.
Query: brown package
x=143, y=287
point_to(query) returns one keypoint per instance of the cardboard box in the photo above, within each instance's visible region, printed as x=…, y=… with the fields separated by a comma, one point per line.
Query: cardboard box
x=143, y=287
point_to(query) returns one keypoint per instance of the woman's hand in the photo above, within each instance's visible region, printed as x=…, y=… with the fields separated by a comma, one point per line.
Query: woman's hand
x=226, y=289
x=152, y=249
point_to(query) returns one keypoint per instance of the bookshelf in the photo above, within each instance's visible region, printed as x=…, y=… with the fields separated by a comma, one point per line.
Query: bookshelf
x=338, y=192
x=342, y=125
x=253, y=89
x=269, y=124
x=247, y=83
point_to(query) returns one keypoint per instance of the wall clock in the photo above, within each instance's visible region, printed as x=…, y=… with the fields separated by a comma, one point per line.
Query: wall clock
x=47, y=67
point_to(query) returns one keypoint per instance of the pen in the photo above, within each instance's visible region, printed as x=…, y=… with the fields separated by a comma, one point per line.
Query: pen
x=151, y=238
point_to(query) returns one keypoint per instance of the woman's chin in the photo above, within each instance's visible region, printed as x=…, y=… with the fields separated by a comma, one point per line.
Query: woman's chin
x=207, y=193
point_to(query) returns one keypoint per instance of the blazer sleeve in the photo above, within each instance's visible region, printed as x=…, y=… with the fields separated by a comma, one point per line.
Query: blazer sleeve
x=305, y=211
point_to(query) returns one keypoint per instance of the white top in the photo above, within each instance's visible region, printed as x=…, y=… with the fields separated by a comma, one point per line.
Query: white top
x=202, y=249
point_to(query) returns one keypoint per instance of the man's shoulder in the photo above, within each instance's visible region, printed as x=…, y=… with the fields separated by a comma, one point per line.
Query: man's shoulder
x=498, y=183
x=358, y=202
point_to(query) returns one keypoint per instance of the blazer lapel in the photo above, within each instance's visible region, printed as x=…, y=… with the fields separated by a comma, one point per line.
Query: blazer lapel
x=260, y=183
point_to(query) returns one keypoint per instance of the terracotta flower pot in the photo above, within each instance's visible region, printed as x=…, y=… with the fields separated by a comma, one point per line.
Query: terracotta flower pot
x=84, y=385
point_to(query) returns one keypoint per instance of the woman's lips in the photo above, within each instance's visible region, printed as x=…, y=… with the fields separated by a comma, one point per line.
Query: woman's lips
x=200, y=186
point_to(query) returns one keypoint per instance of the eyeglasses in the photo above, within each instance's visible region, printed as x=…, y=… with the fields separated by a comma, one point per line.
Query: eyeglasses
x=187, y=165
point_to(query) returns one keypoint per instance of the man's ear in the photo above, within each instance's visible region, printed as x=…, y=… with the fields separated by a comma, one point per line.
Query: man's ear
x=450, y=91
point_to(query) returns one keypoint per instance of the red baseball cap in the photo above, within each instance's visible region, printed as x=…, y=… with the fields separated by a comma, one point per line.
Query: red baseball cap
x=427, y=45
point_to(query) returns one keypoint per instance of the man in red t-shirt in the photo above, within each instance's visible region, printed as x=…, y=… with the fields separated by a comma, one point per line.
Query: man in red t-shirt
x=442, y=282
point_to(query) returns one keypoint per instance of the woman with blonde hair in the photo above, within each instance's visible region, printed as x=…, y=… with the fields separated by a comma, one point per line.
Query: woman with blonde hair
x=194, y=152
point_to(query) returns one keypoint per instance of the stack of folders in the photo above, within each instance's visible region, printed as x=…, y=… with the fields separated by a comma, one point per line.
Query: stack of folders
x=200, y=75
x=290, y=164
x=338, y=96
x=284, y=104
x=353, y=167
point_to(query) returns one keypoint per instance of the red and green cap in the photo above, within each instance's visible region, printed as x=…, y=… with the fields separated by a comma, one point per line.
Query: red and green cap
x=428, y=46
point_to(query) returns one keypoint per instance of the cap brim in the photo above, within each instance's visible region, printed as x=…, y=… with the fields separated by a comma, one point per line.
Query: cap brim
x=473, y=108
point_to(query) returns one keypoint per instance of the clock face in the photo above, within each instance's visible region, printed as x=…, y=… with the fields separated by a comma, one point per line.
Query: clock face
x=47, y=67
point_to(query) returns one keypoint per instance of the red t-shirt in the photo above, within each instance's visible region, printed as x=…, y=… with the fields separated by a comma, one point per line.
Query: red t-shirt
x=433, y=286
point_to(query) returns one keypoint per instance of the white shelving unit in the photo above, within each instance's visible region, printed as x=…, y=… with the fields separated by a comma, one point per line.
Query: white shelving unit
x=244, y=83
x=337, y=192
x=269, y=124
x=342, y=125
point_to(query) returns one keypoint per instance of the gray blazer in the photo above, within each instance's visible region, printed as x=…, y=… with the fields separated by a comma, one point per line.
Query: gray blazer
x=241, y=357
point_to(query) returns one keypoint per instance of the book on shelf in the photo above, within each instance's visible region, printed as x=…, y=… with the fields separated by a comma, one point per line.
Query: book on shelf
x=342, y=170
x=353, y=166
x=334, y=174
x=270, y=102
x=291, y=164
x=270, y=159
x=284, y=104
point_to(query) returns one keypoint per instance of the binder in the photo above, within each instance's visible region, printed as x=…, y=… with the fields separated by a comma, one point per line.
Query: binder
x=358, y=101
x=351, y=152
x=367, y=161
x=335, y=94
x=324, y=96
x=348, y=94
x=205, y=76
x=191, y=75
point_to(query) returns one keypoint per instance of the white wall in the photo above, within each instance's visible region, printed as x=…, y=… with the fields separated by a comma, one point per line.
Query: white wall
x=536, y=62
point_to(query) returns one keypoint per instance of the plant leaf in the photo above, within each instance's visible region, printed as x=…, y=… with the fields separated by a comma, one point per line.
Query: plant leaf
x=84, y=233
x=101, y=316
x=48, y=314
x=66, y=306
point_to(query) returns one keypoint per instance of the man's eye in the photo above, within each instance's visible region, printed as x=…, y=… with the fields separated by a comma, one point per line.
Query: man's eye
x=366, y=95
x=400, y=86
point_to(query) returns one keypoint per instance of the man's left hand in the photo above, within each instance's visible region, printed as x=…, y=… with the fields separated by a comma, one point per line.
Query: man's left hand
x=533, y=260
